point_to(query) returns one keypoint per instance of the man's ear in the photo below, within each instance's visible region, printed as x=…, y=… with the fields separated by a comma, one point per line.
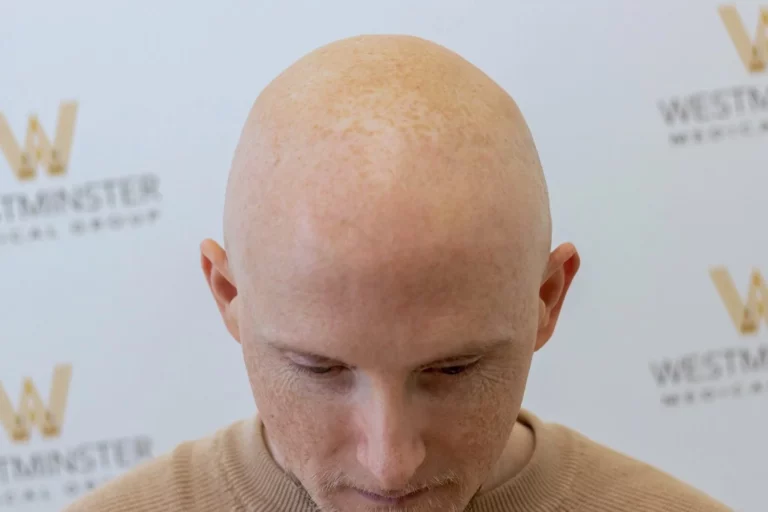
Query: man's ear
x=219, y=278
x=563, y=264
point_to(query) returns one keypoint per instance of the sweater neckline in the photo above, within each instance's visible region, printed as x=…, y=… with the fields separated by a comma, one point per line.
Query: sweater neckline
x=547, y=479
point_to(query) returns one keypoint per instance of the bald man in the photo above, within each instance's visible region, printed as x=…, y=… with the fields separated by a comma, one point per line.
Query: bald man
x=389, y=275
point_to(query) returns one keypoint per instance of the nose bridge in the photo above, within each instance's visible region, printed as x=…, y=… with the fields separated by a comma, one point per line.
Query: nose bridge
x=391, y=447
x=389, y=411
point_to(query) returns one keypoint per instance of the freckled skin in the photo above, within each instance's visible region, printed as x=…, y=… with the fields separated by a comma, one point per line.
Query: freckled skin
x=386, y=210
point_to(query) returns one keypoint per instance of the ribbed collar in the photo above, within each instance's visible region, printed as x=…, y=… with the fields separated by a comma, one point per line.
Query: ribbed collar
x=545, y=481
x=253, y=477
x=258, y=484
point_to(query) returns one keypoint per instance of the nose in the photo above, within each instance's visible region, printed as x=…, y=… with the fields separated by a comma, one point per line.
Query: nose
x=391, y=446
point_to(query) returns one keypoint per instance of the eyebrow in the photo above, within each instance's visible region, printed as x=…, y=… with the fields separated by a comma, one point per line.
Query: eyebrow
x=470, y=349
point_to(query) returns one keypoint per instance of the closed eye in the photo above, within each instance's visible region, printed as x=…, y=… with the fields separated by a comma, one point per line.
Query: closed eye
x=319, y=370
x=451, y=370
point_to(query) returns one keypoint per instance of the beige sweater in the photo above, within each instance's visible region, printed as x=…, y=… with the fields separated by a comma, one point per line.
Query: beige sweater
x=232, y=471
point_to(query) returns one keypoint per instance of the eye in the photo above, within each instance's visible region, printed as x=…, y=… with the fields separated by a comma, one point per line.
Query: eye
x=456, y=369
x=319, y=370
x=453, y=370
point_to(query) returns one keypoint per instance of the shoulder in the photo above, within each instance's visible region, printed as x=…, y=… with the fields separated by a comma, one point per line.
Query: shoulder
x=183, y=480
x=621, y=483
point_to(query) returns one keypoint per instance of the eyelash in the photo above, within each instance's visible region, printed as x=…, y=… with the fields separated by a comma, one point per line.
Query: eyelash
x=449, y=370
x=317, y=371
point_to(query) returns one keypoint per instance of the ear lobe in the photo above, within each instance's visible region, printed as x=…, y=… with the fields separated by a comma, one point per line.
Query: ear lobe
x=564, y=262
x=215, y=265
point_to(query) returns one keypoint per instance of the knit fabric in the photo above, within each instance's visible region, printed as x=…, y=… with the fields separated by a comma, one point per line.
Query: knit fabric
x=232, y=471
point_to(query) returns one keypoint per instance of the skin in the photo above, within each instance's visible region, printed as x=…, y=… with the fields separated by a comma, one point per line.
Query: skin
x=389, y=274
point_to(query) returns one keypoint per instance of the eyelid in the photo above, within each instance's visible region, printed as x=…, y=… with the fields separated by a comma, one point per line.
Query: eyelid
x=318, y=371
x=468, y=361
x=310, y=363
x=314, y=362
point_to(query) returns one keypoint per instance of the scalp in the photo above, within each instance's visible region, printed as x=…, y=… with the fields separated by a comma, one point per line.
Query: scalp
x=382, y=133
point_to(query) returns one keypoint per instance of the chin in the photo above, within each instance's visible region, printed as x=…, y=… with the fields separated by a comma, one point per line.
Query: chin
x=445, y=499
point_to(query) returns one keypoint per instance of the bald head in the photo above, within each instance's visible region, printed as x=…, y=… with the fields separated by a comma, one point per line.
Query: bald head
x=388, y=272
x=377, y=143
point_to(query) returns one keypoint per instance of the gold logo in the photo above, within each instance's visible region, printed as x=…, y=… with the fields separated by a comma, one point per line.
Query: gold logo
x=745, y=315
x=753, y=52
x=32, y=410
x=38, y=149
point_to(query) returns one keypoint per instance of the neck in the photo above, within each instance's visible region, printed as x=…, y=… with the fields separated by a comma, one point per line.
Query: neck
x=516, y=455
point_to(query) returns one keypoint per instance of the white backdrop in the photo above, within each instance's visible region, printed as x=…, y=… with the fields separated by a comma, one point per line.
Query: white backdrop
x=99, y=266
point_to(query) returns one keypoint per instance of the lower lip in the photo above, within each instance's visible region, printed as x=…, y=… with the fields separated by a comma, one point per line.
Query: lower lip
x=387, y=500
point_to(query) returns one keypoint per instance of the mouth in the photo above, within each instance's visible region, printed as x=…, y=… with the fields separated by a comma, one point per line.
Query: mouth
x=390, y=498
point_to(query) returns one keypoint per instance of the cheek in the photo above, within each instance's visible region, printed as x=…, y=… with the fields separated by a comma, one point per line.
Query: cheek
x=304, y=426
x=476, y=423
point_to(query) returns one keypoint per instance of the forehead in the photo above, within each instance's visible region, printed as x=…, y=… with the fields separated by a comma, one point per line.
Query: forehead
x=390, y=289
x=373, y=233
x=387, y=198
